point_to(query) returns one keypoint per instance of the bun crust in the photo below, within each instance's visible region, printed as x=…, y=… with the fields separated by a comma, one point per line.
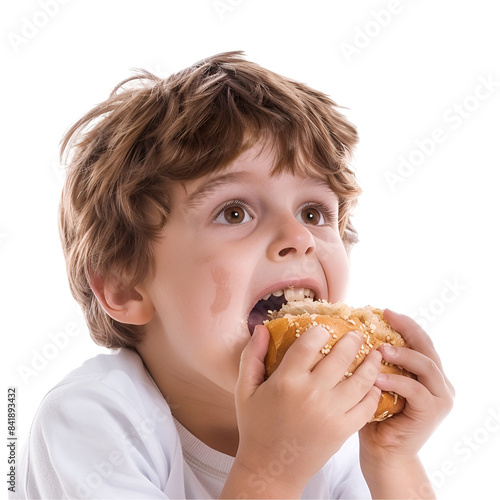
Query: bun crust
x=295, y=318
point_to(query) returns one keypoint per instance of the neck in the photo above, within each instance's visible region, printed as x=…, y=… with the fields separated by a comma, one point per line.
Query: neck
x=205, y=410
x=212, y=423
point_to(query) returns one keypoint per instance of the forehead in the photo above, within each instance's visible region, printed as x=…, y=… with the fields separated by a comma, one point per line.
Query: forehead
x=254, y=166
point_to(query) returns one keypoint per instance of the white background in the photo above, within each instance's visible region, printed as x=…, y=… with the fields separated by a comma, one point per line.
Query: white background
x=430, y=243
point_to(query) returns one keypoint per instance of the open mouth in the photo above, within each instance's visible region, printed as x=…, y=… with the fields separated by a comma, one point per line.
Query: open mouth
x=273, y=302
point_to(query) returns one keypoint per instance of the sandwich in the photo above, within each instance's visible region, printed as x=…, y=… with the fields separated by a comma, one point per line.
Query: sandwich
x=295, y=317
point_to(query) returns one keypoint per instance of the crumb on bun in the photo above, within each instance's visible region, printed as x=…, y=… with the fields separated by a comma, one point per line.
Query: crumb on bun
x=294, y=318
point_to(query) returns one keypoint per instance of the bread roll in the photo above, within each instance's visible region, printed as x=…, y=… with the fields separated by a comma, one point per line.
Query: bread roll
x=294, y=318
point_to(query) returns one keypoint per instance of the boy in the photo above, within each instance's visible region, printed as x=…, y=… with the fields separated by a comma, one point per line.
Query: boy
x=187, y=202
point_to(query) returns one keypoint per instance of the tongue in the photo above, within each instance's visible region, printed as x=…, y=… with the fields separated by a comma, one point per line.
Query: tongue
x=255, y=318
x=259, y=313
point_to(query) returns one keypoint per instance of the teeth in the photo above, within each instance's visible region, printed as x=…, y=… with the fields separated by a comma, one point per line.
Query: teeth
x=292, y=294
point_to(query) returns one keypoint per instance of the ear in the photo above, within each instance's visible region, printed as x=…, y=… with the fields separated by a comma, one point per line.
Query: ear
x=131, y=306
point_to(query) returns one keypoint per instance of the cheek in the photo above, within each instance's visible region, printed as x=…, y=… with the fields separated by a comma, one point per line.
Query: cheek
x=335, y=264
x=221, y=298
x=196, y=300
x=200, y=281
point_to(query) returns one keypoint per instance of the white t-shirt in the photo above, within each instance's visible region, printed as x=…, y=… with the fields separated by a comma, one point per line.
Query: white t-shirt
x=105, y=431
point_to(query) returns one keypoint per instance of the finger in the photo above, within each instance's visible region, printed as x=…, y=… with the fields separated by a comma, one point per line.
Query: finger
x=252, y=367
x=428, y=373
x=301, y=354
x=417, y=338
x=354, y=389
x=414, y=334
x=407, y=387
x=365, y=409
x=333, y=366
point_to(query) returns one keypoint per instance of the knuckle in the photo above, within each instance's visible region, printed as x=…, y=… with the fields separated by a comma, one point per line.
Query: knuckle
x=283, y=385
x=363, y=379
x=420, y=390
x=427, y=341
x=370, y=401
x=431, y=367
x=444, y=405
x=371, y=370
x=362, y=385
x=341, y=357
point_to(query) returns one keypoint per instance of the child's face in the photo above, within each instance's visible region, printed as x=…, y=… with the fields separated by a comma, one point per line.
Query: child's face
x=225, y=248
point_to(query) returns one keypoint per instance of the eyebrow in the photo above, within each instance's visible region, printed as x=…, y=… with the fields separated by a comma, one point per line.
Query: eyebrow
x=215, y=183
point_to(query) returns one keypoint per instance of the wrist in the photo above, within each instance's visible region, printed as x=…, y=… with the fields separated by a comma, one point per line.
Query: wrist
x=267, y=480
x=391, y=464
x=384, y=458
x=403, y=478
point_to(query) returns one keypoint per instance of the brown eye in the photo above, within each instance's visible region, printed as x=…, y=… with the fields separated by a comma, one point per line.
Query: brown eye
x=233, y=214
x=311, y=215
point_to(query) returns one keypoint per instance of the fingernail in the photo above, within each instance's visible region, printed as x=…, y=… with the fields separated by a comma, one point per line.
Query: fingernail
x=357, y=333
x=381, y=377
x=256, y=330
x=389, y=349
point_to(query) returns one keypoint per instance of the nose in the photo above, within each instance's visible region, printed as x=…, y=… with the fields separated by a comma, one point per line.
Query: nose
x=292, y=239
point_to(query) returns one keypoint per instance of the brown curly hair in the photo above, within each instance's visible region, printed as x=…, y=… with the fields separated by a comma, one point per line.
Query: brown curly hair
x=151, y=132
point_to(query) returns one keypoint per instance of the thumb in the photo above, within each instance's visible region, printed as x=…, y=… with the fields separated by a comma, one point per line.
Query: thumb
x=252, y=367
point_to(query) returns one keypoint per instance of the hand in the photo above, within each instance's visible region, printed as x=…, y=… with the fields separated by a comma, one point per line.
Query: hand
x=300, y=417
x=428, y=399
